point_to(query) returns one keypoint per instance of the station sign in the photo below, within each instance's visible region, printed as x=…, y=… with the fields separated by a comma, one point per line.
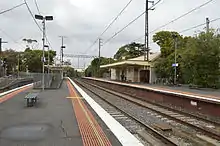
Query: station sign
x=175, y=65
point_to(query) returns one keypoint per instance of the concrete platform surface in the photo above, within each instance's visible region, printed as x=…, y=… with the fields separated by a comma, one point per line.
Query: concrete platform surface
x=52, y=122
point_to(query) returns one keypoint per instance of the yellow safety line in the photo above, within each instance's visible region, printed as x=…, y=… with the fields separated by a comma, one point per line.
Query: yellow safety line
x=89, y=119
x=92, y=124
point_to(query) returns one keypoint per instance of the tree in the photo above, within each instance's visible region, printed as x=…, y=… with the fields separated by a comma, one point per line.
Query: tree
x=202, y=59
x=129, y=51
x=165, y=39
x=11, y=60
x=198, y=58
x=33, y=59
x=92, y=69
x=70, y=72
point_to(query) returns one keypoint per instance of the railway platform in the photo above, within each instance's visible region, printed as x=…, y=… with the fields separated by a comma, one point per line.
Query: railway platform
x=62, y=117
x=201, y=102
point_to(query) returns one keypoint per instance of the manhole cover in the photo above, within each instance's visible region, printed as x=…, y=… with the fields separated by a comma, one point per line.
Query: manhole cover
x=26, y=132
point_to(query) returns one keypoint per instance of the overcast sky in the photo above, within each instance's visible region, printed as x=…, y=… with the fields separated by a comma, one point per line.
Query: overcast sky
x=82, y=21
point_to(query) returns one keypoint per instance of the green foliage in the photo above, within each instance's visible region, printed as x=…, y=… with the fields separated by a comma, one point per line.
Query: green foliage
x=129, y=51
x=165, y=39
x=93, y=69
x=198, y=58
x=70, y=72
x=11, y=59
x=32, y=59
x=29, y=59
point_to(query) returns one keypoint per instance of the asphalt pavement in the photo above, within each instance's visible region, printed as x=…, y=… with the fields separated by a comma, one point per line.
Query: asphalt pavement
x=50, y=123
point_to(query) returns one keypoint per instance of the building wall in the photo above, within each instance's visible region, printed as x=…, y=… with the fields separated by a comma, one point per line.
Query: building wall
x=136, y=75
x=113, y=74
x=153, y=75
x=118, y=74
x=130, y=74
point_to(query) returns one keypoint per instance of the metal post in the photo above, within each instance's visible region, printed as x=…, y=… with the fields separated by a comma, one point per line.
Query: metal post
x=18, y=64
x=146, y=33
x=175, y=72
x=48, y=64
x=78, y=62
x=1, y=42
x=207, y=25
x=62, y=52
x=99, y=57
x=44, y=27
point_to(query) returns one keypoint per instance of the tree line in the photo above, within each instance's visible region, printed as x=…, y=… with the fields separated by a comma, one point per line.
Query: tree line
x=28, y=60
x=198, y=58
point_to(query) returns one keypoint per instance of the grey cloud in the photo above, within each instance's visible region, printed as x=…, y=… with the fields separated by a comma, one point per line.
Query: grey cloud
x=83, y=24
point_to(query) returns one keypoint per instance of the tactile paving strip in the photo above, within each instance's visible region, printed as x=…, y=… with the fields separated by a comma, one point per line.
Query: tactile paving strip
x=92, y=134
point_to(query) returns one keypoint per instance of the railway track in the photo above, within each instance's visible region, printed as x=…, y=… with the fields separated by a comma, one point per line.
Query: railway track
x=137, y=125
x=210, y=128
x=165, y=135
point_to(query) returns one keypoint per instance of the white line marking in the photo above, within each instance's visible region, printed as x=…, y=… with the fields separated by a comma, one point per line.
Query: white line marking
x=122, y=134
x=162, y=91
x=4, y=93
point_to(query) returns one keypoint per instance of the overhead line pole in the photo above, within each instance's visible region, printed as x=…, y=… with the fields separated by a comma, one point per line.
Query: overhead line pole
x=62, y=47
x=100, y=44
x=1, y=42
x=146, y=40
x=207, y=25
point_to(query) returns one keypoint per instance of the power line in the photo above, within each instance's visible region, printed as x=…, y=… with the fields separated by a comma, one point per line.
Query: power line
x=35, y=1
x=185, y=30
x=108, y=40
x=32, y=15
x=181, y=16
x=12, y=8
x=11, y=38
x=111, y=23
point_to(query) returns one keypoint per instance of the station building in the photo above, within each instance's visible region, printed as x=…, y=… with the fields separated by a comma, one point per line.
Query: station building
x=134, y=70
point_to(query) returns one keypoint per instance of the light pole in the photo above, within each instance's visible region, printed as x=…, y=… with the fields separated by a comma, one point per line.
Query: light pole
x=175, y=65
x=18, y=64
x=48, y=55
x=44, y=19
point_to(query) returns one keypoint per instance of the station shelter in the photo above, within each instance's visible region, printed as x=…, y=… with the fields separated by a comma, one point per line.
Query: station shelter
x=134, y=70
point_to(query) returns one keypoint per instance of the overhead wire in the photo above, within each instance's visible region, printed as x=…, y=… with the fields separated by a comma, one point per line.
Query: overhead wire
x=179, y=17
x=131, y=22
x=196, y=26
x=191, y=28
x=110, y=24
x=2, y=12
x=32, y=15
x=183, y=15
x=35, y=1
x=11, y=38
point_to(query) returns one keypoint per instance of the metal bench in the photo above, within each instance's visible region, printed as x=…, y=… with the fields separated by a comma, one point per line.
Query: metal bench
x=31, y=99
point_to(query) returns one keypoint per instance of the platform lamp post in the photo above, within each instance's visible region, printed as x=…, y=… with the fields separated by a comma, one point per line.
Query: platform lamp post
x=175, y=58
x=44, y=19
x=48, y=55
